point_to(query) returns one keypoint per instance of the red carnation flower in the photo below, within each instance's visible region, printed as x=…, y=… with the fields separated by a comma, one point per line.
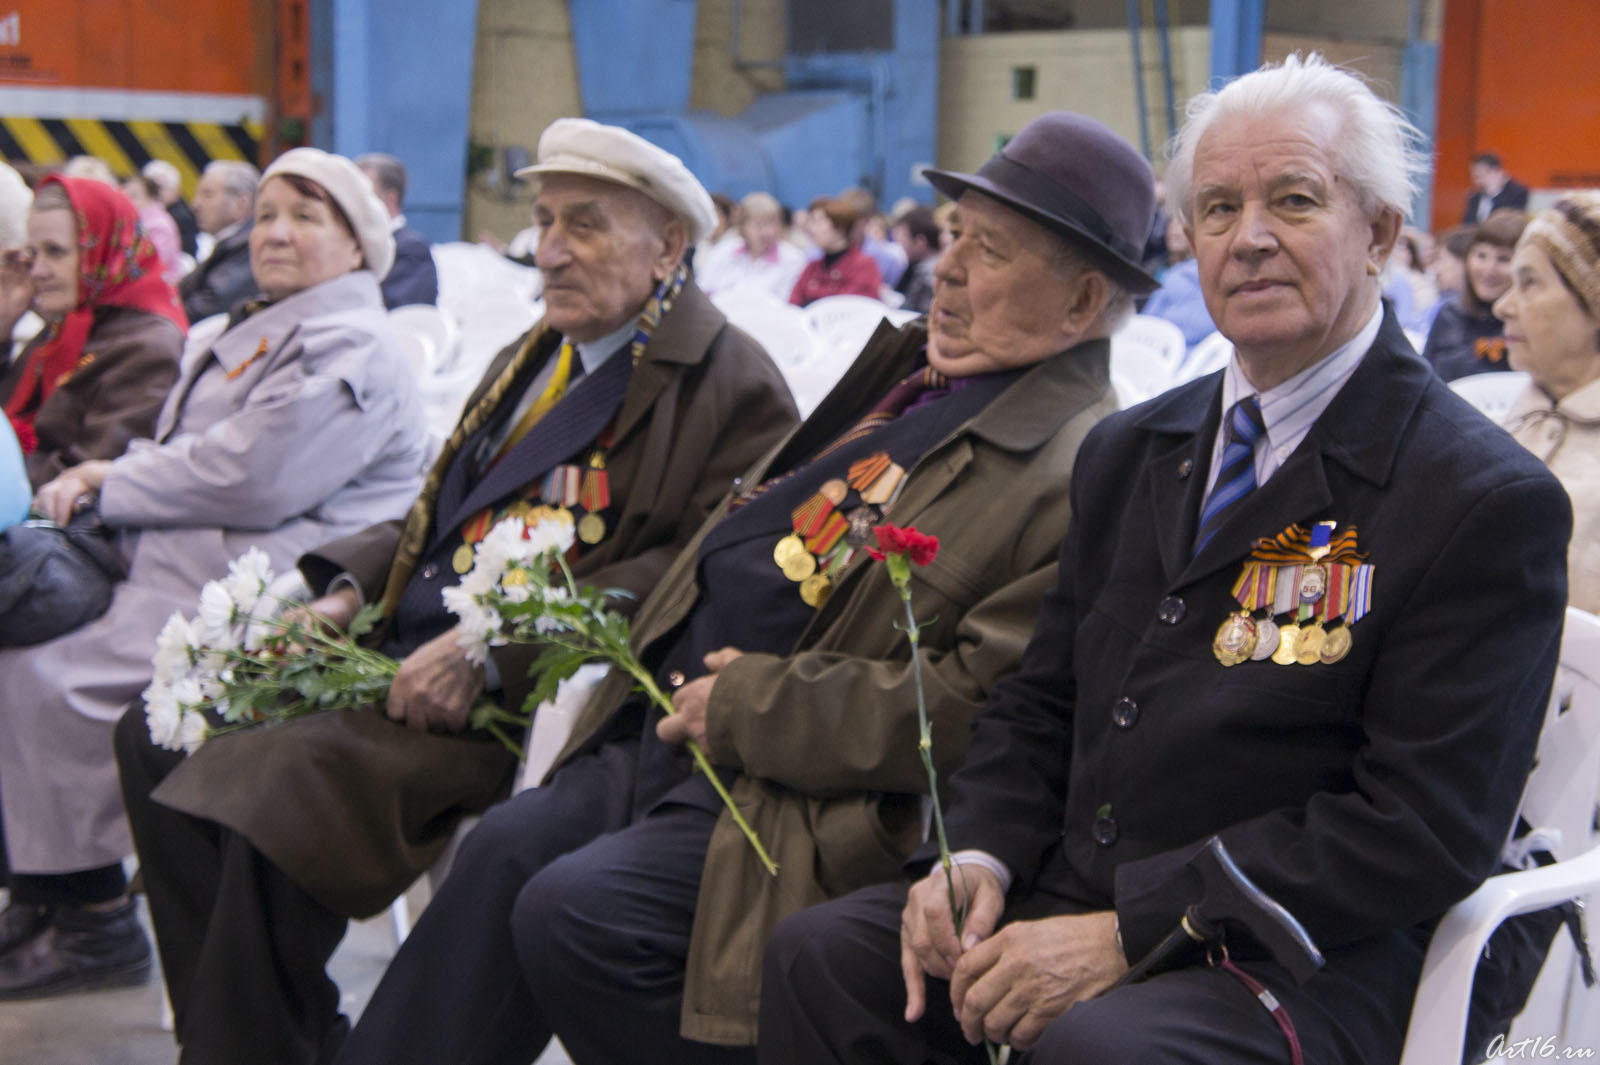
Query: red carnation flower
x=893, y=540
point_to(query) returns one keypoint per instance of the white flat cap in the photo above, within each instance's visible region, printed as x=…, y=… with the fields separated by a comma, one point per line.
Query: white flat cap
x=352, y=191
x=611, y=153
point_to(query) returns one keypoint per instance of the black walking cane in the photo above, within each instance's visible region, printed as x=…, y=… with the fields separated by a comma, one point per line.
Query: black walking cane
x=1228, y=896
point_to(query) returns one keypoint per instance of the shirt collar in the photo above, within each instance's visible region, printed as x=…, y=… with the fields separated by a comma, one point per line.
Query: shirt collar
x=397, y=223
x=1288, y=409
x=594, y=353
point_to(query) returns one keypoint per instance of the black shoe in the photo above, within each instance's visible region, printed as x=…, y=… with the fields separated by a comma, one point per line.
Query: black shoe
x=82, y=949
x=22, y=921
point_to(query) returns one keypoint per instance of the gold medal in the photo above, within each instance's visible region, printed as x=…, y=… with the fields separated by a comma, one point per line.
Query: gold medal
x=815, y=589
x=1235, y=639
x=1266, y=639
x=834, y=491
x=1288, y=636
x=520, y=509
x=789, y=548
x=1308, y=644
x=800, y=566
x=1337, y=644
x=591, y=528
x=462, y=560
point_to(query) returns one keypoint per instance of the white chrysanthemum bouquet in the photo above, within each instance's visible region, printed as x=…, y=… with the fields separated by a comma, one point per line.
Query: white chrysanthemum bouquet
x=241, y=663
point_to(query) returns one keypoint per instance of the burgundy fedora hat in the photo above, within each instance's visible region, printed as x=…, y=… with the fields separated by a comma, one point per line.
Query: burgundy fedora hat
x=1076, y=177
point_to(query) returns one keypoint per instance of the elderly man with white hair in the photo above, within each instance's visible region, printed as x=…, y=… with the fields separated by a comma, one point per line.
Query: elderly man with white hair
x=257, y=848
x=1311, y=605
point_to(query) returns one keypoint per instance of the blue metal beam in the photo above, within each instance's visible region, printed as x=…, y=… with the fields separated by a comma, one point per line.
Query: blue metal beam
x=402, y=83
x=1235, y=38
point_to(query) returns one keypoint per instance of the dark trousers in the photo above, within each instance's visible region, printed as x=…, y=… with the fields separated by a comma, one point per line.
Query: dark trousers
x=562, y=915
x=832, y=992
x=244, y=950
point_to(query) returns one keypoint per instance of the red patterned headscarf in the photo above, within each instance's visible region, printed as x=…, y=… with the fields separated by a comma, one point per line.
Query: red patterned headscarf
x=117, y=267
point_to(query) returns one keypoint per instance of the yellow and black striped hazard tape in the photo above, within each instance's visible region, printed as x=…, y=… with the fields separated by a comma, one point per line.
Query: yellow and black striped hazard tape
x=127, y=146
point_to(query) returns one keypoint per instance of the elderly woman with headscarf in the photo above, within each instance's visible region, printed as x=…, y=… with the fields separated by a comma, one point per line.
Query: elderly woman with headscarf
x=298, y=425
x=95, y=377
x=1552, y=322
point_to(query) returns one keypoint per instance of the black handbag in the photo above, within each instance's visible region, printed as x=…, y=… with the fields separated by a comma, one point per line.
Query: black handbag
x=54, y=578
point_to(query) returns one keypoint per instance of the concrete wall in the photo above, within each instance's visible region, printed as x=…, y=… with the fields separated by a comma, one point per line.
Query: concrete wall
x=1090, y=71
x=526, y=79
x=722, y=82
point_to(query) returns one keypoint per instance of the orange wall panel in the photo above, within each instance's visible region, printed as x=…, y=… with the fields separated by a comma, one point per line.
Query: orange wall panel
x=158, y=45
x=1520, y=80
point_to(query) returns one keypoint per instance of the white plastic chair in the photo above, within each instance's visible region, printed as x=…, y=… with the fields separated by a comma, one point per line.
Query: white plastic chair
x=845, y=321
x=1492, y=393
x=1144, y=354
x=432, y=326
x=1560, y=801
x=1208, y=356
x=784, y=330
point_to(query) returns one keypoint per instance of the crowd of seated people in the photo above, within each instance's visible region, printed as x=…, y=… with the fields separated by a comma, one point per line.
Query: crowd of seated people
x=1122, y=609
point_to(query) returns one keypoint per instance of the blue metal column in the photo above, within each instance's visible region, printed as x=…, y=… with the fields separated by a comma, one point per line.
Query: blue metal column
x=402, y=83
x=1419, y=96
x=1235, y=38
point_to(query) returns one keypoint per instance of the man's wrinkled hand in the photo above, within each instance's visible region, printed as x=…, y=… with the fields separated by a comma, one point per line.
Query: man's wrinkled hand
x=1012, y=985
x=690, y=701
x=334, y=611
x=435, y=686
x=928, y=941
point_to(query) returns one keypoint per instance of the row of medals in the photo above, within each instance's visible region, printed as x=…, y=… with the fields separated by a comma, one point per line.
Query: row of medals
x=1244, y=637
x=591, y=527
x=877, y=479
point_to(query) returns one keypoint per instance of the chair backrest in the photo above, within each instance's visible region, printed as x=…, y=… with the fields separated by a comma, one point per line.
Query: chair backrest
x=1208, y=356
x=434, y=327
x=1563, y=792
x=1144, y=354
x=845, y=320
x=1492, y=393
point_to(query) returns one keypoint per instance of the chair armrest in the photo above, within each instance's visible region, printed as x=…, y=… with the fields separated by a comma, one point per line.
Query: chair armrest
x=1439, y=1013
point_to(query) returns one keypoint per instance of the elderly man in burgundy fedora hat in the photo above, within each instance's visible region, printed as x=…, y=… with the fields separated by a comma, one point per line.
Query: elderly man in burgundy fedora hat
x=618, y=906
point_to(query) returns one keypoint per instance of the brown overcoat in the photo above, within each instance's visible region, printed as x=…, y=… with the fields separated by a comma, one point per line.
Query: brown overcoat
x=825, y=739
x=354, y=806
x=114, y=395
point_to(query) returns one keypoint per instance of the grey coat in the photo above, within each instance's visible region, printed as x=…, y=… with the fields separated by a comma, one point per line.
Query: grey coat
x=297, y=426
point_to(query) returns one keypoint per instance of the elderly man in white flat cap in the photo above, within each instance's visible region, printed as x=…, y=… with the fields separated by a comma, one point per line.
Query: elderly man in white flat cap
x=618, y=907
x=257, y=848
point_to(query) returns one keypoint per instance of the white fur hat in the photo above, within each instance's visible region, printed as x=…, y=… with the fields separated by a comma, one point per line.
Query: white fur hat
x=611, y=153
x=353, y=193
x=15, y=199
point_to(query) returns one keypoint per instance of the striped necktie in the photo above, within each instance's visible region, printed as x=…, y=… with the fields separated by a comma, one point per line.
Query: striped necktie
x=1236, y=473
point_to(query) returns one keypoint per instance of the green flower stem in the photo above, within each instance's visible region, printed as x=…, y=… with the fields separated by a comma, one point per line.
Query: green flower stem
x=623, y=657
x=900, y=575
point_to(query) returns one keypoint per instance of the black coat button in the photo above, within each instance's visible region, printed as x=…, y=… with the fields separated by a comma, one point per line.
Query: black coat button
x=1185, y=468
x=1105, y=831
x=430, y=571
x=1125, y=713
x=1171, y=610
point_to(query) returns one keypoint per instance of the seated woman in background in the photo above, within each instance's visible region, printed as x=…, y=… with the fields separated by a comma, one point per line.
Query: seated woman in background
x=1552, y=320
x=844, y=268
x=1466, y=336
x=298, y=425
x=95, y=378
